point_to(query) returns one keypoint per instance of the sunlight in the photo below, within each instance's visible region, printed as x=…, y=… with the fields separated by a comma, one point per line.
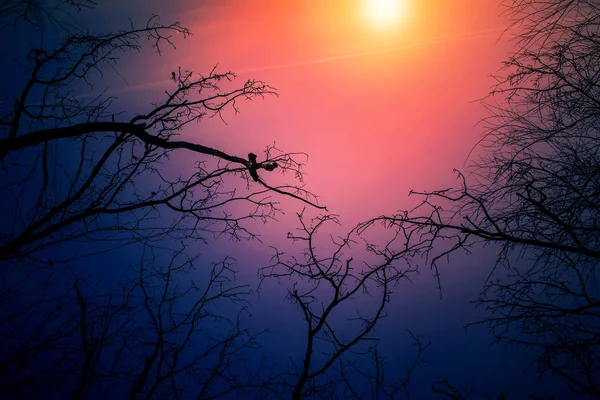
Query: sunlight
x=384, y=13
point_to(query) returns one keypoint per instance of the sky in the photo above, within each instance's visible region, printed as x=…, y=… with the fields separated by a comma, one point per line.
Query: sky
x=380, y=111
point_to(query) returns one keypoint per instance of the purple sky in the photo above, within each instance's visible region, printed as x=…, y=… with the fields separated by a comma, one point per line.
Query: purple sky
x=378, y=111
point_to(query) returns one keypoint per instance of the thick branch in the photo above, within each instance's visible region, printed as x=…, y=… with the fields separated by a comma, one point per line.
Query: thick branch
x=137, y=130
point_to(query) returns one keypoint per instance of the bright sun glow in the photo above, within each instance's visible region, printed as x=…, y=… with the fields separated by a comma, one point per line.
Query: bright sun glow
x=384, y=13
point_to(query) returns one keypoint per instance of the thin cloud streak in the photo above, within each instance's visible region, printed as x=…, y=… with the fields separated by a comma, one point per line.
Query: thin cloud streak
x=302, y=63
x=386, y=50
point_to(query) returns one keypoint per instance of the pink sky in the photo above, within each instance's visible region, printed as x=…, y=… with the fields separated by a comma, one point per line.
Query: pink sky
x=379, y=112
x=375, y=126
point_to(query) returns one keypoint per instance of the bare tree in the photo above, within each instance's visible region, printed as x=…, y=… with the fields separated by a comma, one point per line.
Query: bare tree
x=322, y=287
x=82, y=164
x=446, y=390
x=171, y=330
x=81, y=180
x=151, y=337
x=535, y=193
x=43, y=14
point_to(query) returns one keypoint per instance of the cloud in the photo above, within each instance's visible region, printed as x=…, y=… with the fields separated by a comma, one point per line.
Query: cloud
x=295, y=64
x=340, y=57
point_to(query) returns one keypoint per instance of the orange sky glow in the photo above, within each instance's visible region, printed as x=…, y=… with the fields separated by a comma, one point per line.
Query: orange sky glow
x=379, y=111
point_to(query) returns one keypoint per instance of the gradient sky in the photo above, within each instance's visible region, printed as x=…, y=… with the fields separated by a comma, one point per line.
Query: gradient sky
x=378, y=111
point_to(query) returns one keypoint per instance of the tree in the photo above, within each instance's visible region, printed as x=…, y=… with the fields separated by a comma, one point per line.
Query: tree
x=82, y=181
x=49, y=130
x=321, y=286
x=534, y=193
x=162, y=334
x=155, y=335
x=86, y=183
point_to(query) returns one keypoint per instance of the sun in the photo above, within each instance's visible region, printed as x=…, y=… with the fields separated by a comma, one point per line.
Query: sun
x=384, y=13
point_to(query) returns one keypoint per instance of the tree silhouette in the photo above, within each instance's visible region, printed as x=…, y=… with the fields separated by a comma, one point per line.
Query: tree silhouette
x=535, y=193
x=109, y=156
x=86, y=185
x=333, y=355
x=80, y=180
x=152, y=336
